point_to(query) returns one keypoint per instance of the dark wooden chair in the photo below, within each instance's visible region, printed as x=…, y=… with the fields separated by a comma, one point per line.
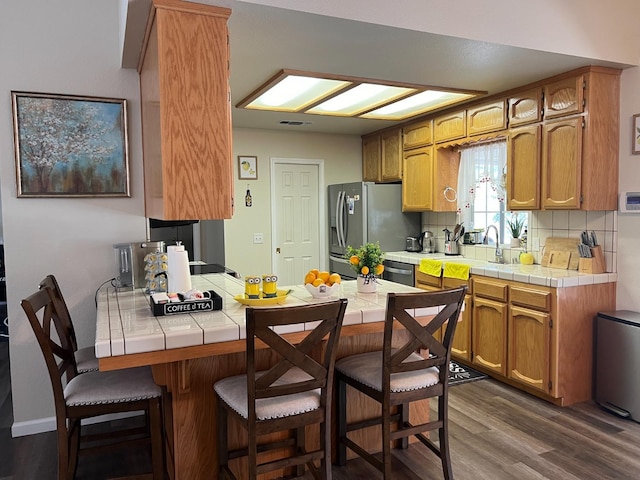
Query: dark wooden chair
x=91, y=394
x=396, y=376
x=86, y=360
x=293, y=393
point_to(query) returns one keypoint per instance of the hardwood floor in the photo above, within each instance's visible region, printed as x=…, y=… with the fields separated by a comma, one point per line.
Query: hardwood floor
x=496, y=433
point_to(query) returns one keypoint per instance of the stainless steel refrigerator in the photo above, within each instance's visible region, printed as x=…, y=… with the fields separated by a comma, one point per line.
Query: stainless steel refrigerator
x=364, y=212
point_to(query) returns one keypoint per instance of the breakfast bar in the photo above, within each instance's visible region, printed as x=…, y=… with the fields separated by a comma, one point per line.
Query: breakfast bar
x=189, y=352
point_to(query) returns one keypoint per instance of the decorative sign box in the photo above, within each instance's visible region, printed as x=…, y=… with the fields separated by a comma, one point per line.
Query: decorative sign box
x=188, y=306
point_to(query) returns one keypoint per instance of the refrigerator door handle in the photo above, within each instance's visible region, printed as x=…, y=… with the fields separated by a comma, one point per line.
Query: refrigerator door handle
x=340, y=260
x=340, y=218
x=343, y=218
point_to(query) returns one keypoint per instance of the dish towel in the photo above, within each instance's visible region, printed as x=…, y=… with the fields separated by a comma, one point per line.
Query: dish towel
x=431, y=267
x=456, y=270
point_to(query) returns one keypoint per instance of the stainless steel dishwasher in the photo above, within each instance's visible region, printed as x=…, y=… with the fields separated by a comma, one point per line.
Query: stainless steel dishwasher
x=399, y=272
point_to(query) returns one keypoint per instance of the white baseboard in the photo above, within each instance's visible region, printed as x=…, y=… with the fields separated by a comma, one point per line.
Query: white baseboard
x=42, y=425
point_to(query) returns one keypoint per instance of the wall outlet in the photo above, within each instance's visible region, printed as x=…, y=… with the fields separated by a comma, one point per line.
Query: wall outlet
x=535, y=243
x=258, y=238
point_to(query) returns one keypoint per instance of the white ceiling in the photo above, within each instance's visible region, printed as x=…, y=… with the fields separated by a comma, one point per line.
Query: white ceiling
x=266, y=39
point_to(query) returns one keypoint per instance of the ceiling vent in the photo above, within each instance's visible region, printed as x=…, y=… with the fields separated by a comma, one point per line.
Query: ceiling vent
x=293, y=123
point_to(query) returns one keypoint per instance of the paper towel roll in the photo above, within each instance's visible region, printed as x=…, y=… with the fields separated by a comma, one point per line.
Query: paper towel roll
x=178, y=274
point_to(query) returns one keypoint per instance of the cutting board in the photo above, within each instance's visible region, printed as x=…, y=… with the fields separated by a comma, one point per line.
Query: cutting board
x=565, y=253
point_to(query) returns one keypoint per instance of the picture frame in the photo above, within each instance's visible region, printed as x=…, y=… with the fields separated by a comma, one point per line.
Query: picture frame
x=635, y=135
x=70, y=145
x=247, y=167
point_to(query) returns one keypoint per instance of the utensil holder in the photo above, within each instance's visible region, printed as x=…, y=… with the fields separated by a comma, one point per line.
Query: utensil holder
x=595, y=264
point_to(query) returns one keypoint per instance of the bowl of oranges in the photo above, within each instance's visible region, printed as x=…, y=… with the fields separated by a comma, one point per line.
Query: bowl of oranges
x=321, y=284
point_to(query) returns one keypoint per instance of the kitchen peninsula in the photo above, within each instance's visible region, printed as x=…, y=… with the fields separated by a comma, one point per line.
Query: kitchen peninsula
x=189, y=352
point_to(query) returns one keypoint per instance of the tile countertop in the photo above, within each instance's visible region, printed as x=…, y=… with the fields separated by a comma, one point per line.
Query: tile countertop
x=533, y=274
x=126, y=325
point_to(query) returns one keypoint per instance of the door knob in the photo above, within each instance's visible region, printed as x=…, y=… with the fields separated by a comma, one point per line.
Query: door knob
x=278, y=250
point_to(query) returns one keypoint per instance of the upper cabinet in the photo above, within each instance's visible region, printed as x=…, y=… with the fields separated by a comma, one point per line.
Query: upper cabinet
x=564, y=97
x=487, y=117
x=419, y=134
x=186, y=112
x=450, y=126
x=523, y=168
x=525, y=107
x=382, y=156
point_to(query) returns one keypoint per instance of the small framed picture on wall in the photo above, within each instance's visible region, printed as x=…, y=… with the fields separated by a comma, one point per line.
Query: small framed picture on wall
x=247, y=167
x=635, y=136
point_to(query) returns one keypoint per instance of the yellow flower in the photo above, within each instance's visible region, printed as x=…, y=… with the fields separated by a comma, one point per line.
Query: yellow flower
x=364, y=270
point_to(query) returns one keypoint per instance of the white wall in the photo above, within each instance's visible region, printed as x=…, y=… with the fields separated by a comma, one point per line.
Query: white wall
x=69, y=47
x=628, y=241
x=342, y=156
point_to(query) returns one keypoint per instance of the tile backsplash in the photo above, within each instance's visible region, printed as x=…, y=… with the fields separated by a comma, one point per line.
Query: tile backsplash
x=542, y=224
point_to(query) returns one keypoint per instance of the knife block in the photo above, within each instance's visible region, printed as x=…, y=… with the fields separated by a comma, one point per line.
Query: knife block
x=595, y=264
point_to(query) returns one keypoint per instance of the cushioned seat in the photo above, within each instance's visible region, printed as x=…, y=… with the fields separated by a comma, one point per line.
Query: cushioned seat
x=293, y=393
x=396, y=376
x=86, y=360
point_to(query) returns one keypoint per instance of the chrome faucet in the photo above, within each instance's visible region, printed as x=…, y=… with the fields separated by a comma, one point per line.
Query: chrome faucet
x=499, y=257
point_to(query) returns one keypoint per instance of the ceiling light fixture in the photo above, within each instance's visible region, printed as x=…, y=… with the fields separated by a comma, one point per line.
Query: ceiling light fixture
x=293, y=91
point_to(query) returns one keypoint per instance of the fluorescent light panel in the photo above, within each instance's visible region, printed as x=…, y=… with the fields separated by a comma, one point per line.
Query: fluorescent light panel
x=307, y=92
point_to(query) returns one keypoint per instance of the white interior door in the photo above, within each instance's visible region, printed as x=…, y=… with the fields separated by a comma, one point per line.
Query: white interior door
x=297, y=218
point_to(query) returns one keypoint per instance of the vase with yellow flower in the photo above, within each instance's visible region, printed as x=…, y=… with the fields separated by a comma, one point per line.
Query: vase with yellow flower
x=366, y=261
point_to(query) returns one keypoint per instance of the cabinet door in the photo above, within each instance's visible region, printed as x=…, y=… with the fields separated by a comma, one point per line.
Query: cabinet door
x=489, y=335
x=525, y=107
x=450, y=126
x=529, y=348
x=417, y=184
x=461, y=347
x=562, y=164
x=371, y=158
x=419, y=134
x=391, y=146
x=487, y=117
x=564, y=97
x=523, y=168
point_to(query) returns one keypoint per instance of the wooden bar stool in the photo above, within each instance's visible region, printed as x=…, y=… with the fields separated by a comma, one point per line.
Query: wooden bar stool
x=396, y=376
x=295, y=392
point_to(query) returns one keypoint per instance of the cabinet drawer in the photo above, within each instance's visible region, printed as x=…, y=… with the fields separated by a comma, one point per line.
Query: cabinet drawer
x=528, y=297
x=456, y=282
x=488, y=289
x=418, y=135
x=488, y=117
x=450, y=126
x=423, y=280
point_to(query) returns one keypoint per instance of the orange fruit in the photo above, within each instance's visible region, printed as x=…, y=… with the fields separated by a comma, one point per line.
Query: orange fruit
x=315, y=271
x=335, y=278
x=324, y=276
x=354, y=260
x=309, y=277
x=317, y=282
x=364, y=270
x=379, y=269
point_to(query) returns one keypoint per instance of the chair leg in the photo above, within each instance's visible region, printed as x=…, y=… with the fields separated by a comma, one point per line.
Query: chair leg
x=252, y=456
x=445, y=456
x=65, y=440
x=386, y=441
x=223, y=453
x=300, y=447
x=325, y=445
x=341, y=413
x=403, y=410
x=154, y=416
x=74, y=447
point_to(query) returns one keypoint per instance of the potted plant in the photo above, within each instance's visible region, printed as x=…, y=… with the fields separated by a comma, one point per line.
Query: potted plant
x=366, y=261
x=516, y=225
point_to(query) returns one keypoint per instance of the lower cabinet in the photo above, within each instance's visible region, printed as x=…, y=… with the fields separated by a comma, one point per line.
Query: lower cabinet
x=529, y=360
x=461, y=347
x=489, y=338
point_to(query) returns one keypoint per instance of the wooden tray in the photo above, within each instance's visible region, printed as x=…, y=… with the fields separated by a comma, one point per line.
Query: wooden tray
x=561, y=247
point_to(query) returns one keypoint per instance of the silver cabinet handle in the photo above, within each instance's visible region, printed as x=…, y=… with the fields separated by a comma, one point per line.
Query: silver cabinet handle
x=401, y=271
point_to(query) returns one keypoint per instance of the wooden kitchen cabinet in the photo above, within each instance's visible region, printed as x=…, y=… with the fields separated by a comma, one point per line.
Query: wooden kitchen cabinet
x=461, y=346
x=529, y=348
x=564, y=97
x=450, y=126
x=391, y=154
x=489, y=334
x=525, y=107
x=487, y=117
x=562, y=163
x=186, y=112
x=419, y=134
x=417, y=184
x=371, y=158
x=524, y=168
